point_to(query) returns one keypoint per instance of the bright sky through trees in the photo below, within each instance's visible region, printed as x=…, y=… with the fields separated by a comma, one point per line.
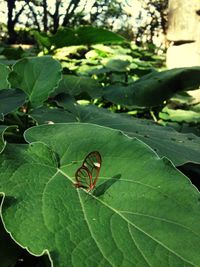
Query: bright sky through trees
x=122, y=16
x=131, y=7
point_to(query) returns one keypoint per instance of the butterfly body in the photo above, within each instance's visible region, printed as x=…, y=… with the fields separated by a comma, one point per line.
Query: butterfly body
x=87, y=175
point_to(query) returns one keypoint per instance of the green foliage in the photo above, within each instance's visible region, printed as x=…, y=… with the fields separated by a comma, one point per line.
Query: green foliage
x=179, y=148
x=116, y=63
x=37, y=77
x=4, y=70
x=75, y=86
x=142, y=205
x=85, y=35
x=10, y=54
x=10, y=100
x=154, y=88
x=180, y=115
x=13, y=53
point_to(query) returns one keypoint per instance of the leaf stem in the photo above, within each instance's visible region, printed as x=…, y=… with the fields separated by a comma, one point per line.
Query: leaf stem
x=153, y=116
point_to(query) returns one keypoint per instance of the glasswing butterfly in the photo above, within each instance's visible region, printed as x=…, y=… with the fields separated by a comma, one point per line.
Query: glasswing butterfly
x=86, y=176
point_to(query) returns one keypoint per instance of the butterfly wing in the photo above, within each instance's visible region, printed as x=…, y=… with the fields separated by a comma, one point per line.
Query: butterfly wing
x=83, y=177
x=93, y=163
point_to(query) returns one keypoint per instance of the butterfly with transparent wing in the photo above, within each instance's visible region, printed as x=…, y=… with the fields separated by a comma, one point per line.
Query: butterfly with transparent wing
x=87, y=175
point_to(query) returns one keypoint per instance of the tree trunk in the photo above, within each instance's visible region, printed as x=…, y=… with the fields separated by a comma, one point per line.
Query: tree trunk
x=56, y=16
x=45, y=18
x=183, y=33
x=10, y=21
x=36, y=22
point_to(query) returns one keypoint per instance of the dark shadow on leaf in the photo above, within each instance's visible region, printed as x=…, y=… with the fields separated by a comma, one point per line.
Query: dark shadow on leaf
x=9, y=202
x=102, y=188
x=57, y=157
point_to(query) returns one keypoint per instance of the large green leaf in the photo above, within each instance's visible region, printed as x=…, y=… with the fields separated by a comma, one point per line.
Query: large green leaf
x=143, y=211
x=4, y=71
x=154, y=88
x=117, y=63
x=64, y=37
x=54, y=115
x=85, y=35
x=10, y=100
x=76, y=85
x=178, y=147
x=92, y=35
x=37, y=77
x=180, y=115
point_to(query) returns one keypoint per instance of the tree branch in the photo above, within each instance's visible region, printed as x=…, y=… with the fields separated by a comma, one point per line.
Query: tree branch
x=69, y=13
x=18, y=14
x=34, y=14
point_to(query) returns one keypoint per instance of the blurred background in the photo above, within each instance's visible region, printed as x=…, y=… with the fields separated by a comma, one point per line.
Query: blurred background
x=165, y=24
x=138, y=20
